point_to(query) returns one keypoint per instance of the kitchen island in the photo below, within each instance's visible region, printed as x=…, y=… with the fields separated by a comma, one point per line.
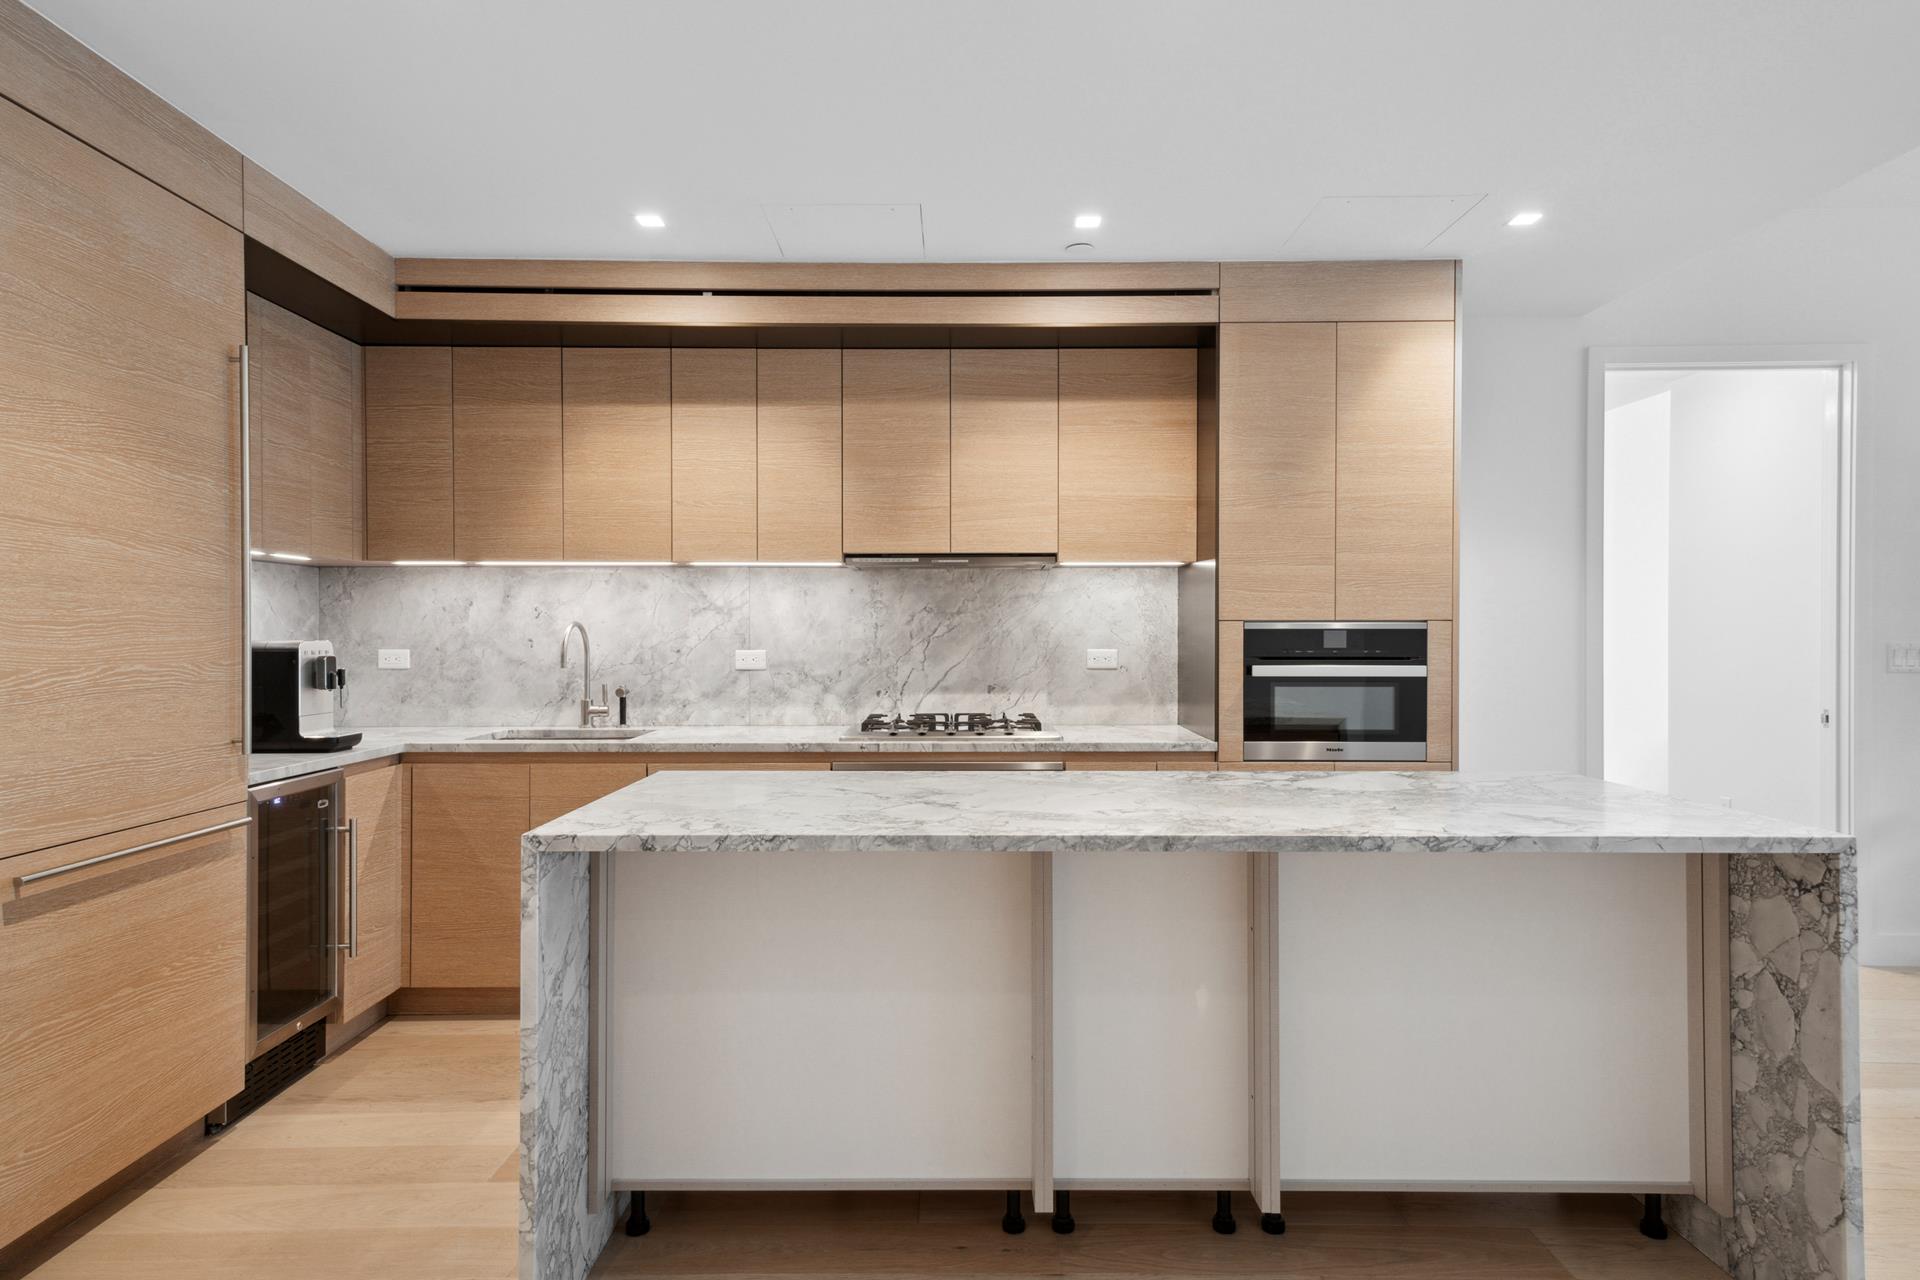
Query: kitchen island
x=1260, y=982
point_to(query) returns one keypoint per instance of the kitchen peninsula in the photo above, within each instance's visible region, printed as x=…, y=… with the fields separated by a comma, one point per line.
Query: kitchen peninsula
x=1218, y=980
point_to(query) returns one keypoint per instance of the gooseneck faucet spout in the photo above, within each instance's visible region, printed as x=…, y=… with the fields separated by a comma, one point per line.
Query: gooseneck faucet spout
x=589, y=709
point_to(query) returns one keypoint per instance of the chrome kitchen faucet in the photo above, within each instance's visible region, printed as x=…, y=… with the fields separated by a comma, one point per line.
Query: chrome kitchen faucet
x=589, y=709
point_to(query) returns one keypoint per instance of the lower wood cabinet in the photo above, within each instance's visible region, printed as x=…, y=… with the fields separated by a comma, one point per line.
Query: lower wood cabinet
x=123, y=994
x=562, y=788
x=467, y=824
x=377, y=805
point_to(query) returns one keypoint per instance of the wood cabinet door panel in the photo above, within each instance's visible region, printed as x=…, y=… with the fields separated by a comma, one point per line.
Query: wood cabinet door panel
x=122, y=311
x=561, y=788
x=799, y=455
x=899, y=451
x=1394, y=496
x=506, y=453
x=123, y=1006
x=714, y=453
x=1128, y=454
x=305, y=414
x=1006, y=450
x=377, y=805
x=409, y=444
x=618, y=454
x=1440, y=695
x=1276, y=472
x=467, y=824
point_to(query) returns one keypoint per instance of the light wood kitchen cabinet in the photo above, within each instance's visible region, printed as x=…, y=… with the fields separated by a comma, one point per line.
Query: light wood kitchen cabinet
x=1277, y=472
x=898, y=451
x=798, y=463
x=617, y=453
x=1393, y=500
x=1350, y=291
x=409, y=426
x=506, y=453
x=377, y=805
x=562, y=788
x=467, y=824
x=123, y=1004
x=1006, y=451
x=714, y=477
x=122, y=311
x=1440, y=692
x=308, y=437
x=1128, y=453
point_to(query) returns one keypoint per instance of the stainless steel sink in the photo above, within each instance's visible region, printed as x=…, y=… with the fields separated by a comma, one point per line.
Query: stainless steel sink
x=576, y=734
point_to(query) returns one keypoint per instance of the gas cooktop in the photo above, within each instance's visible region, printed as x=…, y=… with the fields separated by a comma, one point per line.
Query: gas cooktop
x=955, y=724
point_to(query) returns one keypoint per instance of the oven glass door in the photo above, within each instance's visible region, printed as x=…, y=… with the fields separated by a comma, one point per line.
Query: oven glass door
x=1336, y=717
x=294, y=964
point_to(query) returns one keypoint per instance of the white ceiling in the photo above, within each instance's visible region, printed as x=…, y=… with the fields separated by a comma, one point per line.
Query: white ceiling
x=1647, y=130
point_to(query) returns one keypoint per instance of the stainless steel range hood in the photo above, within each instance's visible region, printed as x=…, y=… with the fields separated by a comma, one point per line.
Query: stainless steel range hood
x=1000, y=560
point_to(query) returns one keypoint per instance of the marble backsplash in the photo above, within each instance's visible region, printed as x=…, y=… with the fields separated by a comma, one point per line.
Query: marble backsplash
x=286, y=602
x=485, y=642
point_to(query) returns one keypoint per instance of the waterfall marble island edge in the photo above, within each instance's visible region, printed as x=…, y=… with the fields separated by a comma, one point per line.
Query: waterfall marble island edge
x=1658, y=996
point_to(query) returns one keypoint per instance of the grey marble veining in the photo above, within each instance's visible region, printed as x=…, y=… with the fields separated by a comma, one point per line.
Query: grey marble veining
x=560, y=1233
x=1796, y=1076
x=1224, y=812
x=840, y=642
x=284, y=603
x=811, y=739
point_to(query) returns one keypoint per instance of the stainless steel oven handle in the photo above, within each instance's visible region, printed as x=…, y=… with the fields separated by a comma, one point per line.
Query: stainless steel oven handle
x=84, y=863
x=352, y=945
x=1341, y=670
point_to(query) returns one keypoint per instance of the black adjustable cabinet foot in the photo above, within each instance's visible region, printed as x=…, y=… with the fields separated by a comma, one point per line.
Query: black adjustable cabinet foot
x=638, y=1224
x=1273, y=1224
x=1223, y=1213
x=1652, y=1225
x=1063, y=1223
x=1011, y=1222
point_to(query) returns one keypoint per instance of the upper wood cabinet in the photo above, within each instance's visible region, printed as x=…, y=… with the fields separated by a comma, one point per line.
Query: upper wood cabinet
x=122, y=311
x=899, y=450
x=1006, y=451
x=799, y=455
x=1393, y=497
x=376, y=802
x=714, y=467
x=308, y=436
x=506, y=453
x=409, y=393
x=617, y=470
x=1128, y=450
x=1277, y=472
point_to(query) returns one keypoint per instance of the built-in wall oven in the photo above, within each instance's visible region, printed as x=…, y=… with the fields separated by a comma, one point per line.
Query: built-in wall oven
x=300, y=851
x=1335, y=691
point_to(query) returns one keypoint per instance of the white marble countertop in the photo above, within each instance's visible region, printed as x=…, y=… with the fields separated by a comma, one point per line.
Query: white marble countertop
x=382, y=743
x=1224, y=812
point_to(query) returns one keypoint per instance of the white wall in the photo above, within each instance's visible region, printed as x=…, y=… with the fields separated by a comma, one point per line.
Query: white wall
x=1638, y=625
x=1835, y=273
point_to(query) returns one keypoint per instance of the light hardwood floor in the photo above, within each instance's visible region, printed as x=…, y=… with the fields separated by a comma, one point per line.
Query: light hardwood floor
x=396, y=1160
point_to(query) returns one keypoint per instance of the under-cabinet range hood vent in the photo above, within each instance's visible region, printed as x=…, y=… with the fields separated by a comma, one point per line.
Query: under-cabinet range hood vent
x=1001, y=560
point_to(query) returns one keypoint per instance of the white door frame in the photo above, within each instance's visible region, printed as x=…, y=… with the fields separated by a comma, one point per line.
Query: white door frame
x=1849, y=360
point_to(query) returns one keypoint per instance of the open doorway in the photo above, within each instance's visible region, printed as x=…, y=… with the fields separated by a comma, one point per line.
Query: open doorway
x=1721, y=498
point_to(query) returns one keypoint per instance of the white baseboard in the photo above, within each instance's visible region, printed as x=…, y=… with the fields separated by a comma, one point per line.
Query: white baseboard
x=1890, y=950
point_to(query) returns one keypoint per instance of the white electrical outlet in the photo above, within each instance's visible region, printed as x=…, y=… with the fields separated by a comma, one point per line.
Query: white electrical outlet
x=1904, y=658
x=749, y=659
x=1103, y=659
x=396, y=659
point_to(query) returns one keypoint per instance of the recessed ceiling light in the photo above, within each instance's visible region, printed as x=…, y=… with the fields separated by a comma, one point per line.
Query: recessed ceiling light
x=1526, y=218
x=651, y=221
x=1086, y=221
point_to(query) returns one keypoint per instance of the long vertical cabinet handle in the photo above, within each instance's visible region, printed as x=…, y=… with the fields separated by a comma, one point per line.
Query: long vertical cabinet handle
x=246, y=555
x=353, y=888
